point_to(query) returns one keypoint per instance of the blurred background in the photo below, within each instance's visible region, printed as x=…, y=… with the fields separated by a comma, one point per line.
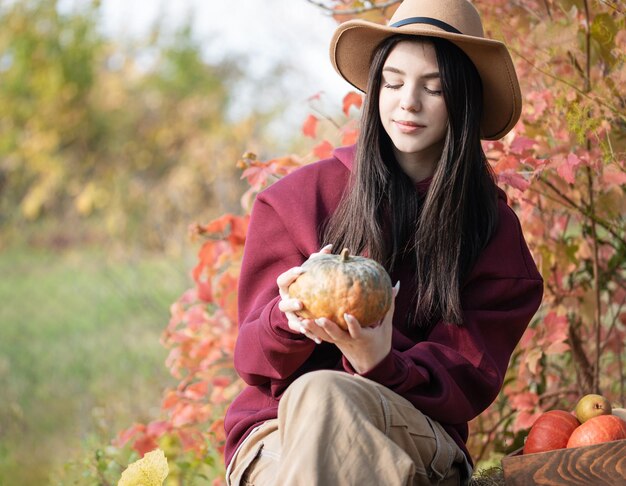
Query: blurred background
x=128, y=127
x=120, y=125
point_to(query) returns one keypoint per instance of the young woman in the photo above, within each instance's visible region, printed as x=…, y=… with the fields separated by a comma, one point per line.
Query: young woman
x=388, y=405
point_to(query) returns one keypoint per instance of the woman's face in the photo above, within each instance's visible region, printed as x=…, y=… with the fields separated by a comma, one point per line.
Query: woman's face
x=411, y=105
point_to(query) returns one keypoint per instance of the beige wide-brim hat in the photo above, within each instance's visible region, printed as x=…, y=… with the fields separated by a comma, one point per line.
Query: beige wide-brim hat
x=458, y=21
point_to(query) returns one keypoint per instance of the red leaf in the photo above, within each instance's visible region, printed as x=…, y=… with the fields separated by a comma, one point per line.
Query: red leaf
x=184, y=415
x=128, y=434
x=513, y=179
x=190, y=439
x=352, y=99
x=257, y=176
x=507, y=163
x=230, y=227
x=219, y=225
x=613, y=175
x=309, y=128
x=208, y=254
x=145, y=444
x=158, y=428
x=532, y=360
x=227, y=296
x=524, y=420
x=524, y=401
x=170, y=400
x=567, y=168
x=349, y=137
x=324, y=150
x=221, y=381
x=521, y=144
x=196, y=316
x=197, y=390
x=205, y=293
x=217, y=428
x=555, y=333
x=527, y=338
x=316, y=97
x=557, y=348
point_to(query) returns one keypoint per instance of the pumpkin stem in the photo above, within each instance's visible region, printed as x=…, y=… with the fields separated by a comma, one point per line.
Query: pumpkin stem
x=345, y=254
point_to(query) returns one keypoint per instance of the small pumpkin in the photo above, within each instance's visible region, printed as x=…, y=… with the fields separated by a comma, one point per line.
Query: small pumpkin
x=336, y=284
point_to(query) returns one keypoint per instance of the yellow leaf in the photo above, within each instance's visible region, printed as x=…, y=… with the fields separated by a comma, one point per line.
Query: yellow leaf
x=151, y=470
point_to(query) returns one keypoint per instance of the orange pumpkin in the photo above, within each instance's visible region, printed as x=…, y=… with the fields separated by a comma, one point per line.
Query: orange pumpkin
x=336, y=284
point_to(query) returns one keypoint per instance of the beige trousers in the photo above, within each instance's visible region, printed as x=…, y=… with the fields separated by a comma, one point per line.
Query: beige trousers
x=335, y=429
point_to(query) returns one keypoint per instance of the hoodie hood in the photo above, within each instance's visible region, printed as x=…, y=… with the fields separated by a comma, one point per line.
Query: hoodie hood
x=345, y=155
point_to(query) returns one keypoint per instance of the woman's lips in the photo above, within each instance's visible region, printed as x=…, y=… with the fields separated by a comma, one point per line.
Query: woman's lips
x=408, y=126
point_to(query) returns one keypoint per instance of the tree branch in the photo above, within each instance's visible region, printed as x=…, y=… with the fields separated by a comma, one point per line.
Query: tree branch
x=354, y=11
x=592, y=210
x=619, y=112
x=547, y=5
x=584, y=369
x=489, y=433
x=613, y=324
x=596, y=283
x=326, y=117
x=582, y=210
x=558, y=393
x=612, y=5
x=621, y=375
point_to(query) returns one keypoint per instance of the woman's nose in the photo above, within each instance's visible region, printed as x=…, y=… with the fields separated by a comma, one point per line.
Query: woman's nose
x=410, y=102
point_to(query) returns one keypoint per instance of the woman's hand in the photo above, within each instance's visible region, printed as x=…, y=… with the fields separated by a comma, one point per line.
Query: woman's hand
x=365, y=347
x=290, y=306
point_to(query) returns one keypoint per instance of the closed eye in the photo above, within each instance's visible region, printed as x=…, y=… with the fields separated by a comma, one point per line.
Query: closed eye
x=434, y=92
x=393, y=86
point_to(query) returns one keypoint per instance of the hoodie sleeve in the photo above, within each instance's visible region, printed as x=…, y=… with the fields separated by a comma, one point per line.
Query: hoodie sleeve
x=458, y=371
x=283, y=232
x=266, y=348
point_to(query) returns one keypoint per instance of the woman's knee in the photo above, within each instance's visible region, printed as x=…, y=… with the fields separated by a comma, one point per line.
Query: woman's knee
x=334, y=392
x=323, y=385
x=320, y=381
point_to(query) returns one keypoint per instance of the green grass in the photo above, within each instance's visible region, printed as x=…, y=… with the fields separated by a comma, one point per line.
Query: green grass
x=79, y=352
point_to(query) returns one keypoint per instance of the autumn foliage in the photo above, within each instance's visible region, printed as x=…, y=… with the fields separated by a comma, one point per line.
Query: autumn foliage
x=563, y=168
x=91, y=133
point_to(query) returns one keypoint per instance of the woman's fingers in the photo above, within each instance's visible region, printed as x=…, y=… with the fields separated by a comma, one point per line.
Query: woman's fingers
x=305, y=328
x=285, y=279
x=354, y=327
x=325, y=250
x=331, y=329
x=290, y=305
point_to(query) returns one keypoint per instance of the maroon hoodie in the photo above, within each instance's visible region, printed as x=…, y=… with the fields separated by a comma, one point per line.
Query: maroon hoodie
x=451, y=375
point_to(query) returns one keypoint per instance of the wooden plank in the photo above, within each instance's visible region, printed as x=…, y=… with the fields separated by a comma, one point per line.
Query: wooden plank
x=595, y=465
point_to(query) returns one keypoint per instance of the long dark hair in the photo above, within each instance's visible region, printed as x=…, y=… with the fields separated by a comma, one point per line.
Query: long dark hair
x=443, y=232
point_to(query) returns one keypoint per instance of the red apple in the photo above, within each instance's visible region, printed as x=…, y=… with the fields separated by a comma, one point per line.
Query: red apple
x=550, y=431
x=603, y=428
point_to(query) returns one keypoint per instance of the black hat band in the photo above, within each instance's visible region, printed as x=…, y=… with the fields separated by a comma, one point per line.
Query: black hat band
x=427, y=20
